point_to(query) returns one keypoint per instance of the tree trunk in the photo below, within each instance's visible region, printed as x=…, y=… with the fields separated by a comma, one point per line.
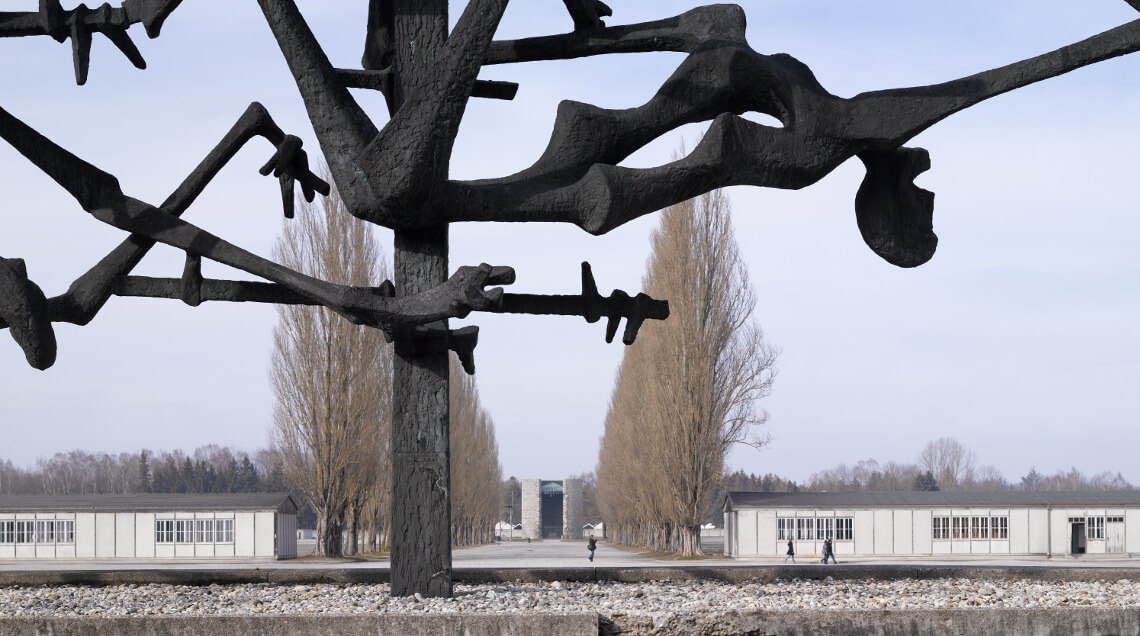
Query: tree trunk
x=421, y=472
x=690, y=539
x=352, y=522
x=329, y=530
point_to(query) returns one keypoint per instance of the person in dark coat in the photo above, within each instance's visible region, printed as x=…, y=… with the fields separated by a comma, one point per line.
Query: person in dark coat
x=591, y=546
x=828, y=552
x=791, y=552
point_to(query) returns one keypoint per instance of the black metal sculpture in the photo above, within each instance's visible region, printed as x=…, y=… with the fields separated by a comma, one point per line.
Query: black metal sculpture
x=397, y=176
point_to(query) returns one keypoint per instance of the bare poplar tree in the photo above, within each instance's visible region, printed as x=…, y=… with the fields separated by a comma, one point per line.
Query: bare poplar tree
x=331, y=378
x=476, y=476
x=693, y=391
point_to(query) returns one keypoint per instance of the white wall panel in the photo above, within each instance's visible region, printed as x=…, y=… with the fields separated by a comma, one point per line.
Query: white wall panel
x=923, y=532
x=1020, y=531
x=85, y=535
x=104, y=535
x=1132, y=531
x=243, y=534
x=1038, y=530
x=766, y=532
x=864, y=532
x=125, y=535
x=265, y=532
x=903, y=532
x=1061, y=532
x=144, y=534
x=746, y=536
x=884, y=531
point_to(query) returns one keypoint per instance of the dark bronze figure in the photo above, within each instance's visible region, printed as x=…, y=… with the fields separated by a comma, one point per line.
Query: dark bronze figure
x=397, y=176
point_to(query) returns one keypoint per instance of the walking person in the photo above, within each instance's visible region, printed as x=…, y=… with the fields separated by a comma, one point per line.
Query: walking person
x=791, y=552
x=828, y=552
x=591, y=546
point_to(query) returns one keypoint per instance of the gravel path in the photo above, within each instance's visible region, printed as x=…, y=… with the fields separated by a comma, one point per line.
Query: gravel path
x=657, y=600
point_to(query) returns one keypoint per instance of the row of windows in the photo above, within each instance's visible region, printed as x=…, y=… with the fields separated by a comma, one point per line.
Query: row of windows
x=839, y=529
x=1094, y=528
x=194, y=531
x=47, y=532
x=37, y=532
x=974, y=527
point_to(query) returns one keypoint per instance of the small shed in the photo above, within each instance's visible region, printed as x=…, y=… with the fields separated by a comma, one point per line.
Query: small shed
x=261, y=526
x=933, y=523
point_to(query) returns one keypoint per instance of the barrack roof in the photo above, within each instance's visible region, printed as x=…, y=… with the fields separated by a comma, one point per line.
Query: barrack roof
x=876, y=499
x=280, y=502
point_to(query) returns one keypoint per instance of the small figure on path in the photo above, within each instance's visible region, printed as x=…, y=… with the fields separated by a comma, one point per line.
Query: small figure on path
x=791, y=552
x=591, y=546
x=828, y=552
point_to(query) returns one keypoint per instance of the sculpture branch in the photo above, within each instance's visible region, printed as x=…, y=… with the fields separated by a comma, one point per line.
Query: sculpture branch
x=577, y=179
x=683, y=33
x=25, y=310
x=341, y=125
x=79, y=23
x=90, y=292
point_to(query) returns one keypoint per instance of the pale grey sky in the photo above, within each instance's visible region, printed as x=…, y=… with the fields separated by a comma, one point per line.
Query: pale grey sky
x=1017, y=338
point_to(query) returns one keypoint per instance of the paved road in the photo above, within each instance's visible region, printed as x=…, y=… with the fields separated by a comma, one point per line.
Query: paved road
x=564, y=554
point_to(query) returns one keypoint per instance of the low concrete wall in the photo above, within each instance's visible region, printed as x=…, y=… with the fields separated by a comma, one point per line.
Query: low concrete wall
x=1052, y=622
x=877, y=622
x=728, y=574
x=383, y=625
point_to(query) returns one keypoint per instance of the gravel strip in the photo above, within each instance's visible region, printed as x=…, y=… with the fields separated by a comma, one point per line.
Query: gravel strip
x=656, y=600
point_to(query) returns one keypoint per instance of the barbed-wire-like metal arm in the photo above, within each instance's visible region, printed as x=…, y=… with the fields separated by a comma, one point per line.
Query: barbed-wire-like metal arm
x=591, y=306
x=25, y=310
x=89, y=292
x=80, y=23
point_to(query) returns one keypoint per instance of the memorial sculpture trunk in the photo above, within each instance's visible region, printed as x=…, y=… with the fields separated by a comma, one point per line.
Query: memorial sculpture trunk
x=396, y=176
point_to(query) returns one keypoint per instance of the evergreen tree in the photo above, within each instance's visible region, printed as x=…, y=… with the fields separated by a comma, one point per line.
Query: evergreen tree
x=249, y=477
x=143, y=483
x=926, y=481
x=1032, y=479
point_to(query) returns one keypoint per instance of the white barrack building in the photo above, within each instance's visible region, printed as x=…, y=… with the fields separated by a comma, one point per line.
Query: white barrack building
x=148, y=526
x=933, y=523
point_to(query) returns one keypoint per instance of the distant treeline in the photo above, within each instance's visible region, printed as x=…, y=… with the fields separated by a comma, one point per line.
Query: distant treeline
x=945, y=464
x=209, y=469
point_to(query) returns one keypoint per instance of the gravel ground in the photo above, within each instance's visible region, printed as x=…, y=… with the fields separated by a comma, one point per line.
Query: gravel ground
x=650, y=600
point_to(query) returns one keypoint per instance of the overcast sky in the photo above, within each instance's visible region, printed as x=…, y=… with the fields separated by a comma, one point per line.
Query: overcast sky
x=1019, y=338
